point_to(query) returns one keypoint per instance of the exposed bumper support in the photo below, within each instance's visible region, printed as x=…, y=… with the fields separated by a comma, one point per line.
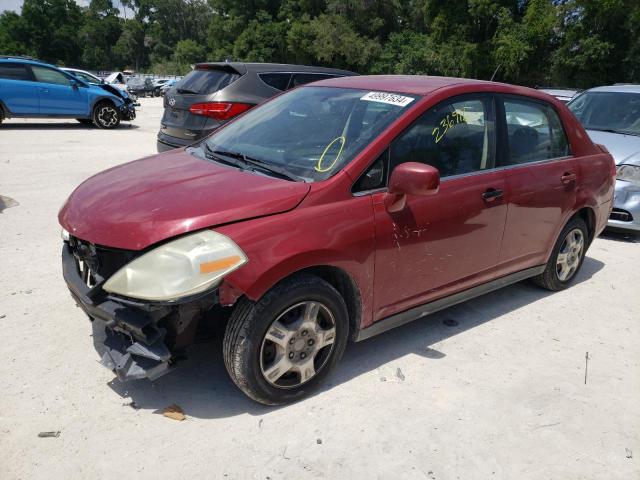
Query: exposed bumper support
x=134, y=340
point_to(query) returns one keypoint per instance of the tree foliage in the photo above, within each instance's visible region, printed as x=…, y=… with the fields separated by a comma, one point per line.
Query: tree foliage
x=533, y=42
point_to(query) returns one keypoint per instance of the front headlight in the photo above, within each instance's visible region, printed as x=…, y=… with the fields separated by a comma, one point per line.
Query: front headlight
x=629, y=173
x=182, y=267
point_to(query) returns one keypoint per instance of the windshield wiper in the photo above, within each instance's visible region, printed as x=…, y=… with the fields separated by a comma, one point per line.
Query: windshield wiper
x=211, y=155
x=613, y=130
x=186, y=90
x=279, y=171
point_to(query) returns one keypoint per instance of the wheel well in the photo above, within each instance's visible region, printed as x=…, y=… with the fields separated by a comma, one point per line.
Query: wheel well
x=589, y=218
x=341, y=281
x=103, y=100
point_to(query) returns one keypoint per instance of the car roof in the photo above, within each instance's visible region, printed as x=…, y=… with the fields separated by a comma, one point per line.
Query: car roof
x=409, y=84
x=29, y=61
x=621, y=88
x=242, y=67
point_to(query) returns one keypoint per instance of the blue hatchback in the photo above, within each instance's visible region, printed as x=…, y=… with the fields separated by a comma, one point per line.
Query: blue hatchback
x=32, y=89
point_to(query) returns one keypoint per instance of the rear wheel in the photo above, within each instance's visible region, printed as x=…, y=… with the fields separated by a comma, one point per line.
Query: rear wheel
x=106, y=115
x=280, y=348
x=566, y=258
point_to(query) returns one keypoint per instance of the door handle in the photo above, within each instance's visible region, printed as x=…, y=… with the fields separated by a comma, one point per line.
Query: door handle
x=492, y=194
x=44, y=90
x=568, y=177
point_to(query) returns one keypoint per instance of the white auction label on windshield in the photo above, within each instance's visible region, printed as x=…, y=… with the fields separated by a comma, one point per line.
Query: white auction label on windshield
x=390, y=98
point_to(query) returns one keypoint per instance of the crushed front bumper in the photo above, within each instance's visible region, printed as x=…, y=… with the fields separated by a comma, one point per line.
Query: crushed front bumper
x=128, y=112
x=135, y=340
x=626, y=207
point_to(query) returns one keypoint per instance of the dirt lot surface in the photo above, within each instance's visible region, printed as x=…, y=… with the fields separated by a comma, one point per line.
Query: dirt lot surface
x=493, y=388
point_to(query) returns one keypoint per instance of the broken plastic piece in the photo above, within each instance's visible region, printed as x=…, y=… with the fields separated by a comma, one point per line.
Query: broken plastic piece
x=175, y=412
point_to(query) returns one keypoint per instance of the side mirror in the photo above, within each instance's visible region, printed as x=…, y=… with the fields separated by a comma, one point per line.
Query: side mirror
x=410, y=178
x=74, y=84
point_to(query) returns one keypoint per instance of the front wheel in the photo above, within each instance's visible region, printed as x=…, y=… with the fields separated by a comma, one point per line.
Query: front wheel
x=106, y=115
x=281, y=347
x=566, y=258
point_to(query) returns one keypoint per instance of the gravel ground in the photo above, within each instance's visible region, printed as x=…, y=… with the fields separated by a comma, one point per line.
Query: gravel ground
x=493, y=388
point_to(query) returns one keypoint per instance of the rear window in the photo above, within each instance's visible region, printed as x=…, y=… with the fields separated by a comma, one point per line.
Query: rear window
x=205, y=81
x=278, y=81
x=14, y=71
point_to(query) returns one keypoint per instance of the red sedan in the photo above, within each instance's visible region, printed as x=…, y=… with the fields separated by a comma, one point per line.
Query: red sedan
x=333, y=212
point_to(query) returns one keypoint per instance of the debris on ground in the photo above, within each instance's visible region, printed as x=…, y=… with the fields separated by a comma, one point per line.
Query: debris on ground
x=131, y=404
x=175, y=412
x=383, y=379
x=628, y=453
x=55, y=434
x=7, y=202
x=2, y=316
x=400, y=375
x=450, y=322
x=319, y=441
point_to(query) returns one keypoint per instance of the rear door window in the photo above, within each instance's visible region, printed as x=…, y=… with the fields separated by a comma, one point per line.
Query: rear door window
x=205, y=81
x=302, y=78
x=456, y=137
x=14, y=71
x=48, y=75
x=279, y=81
x=534, y=132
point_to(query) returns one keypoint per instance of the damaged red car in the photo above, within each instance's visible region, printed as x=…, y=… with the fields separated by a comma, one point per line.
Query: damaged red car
x=329, y=214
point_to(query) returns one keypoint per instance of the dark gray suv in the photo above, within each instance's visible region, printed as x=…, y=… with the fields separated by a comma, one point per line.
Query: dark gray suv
x=214, y=93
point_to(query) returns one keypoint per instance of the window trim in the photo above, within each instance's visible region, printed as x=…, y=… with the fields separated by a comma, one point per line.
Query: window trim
x=493, y=99
x=503, y=130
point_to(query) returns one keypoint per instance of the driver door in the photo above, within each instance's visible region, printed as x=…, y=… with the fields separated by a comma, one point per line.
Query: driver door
x=57, y=94
x=449, y=241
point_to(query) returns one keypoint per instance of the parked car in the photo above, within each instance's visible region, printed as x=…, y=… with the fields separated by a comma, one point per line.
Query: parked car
x=562, y=94
x=33, y=89
x=167, y=86
x=119, y=81
x=333, y=212
x=611, y=116
x=214, y=93
x=158, y=84
x=141, y=87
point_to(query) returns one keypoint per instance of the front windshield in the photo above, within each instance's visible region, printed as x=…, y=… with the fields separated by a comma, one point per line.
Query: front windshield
x=618, y=112
x=311, y=132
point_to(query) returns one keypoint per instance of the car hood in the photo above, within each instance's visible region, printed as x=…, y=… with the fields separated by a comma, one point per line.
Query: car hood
x=137, y=204
x=620, y=146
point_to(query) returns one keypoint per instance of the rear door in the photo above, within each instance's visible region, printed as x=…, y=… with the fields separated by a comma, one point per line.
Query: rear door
x=17, y=89
x=197, y=87
x=57, y=95
x=541, y=179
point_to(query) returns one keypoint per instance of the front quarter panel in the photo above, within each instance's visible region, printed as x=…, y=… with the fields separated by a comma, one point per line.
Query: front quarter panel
x=338, y=234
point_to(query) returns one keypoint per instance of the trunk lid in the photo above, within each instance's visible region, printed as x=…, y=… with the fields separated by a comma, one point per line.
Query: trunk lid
x=137, y=204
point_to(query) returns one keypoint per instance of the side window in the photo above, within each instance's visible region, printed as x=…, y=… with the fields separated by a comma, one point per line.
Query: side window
x=455, y=137
x=14, y=71
x=302, y=78
x=534, y=132
x=48, y=75
x=278, y=81
x=375, y=176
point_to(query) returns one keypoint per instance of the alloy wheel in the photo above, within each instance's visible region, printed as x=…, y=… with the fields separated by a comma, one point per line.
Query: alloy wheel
x=108, y=116
x=570, y=255
x=297, y=345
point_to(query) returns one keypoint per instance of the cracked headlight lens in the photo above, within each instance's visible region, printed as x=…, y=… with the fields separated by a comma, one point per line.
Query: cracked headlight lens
x=179, y=268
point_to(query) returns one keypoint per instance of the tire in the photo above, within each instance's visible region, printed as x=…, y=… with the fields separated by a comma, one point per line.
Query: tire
x=572, y=243
x=266, y=350
x=106, y=115
x=85, y=121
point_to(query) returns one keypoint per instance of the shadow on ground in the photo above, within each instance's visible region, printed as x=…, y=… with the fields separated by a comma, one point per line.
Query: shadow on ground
x=63, y=125
x=202, y=387
x=620, y=236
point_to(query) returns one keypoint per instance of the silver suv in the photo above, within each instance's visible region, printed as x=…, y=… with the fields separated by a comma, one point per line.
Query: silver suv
x=214, y=93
